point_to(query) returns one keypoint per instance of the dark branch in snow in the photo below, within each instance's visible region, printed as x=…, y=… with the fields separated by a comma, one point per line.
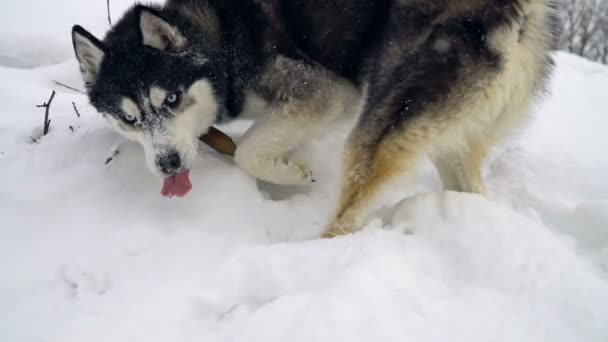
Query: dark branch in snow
x=109, y=17
x=75, y=109
x=114, y=155
x=68, y=87
x=47, y=107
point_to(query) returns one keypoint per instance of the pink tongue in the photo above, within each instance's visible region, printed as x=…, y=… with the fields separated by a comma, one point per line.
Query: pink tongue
x=178, y=185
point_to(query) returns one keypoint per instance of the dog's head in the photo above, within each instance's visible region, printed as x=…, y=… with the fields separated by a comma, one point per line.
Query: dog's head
x=154, y=83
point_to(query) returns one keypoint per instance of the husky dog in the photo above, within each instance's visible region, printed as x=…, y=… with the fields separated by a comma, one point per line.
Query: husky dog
x=442, y=78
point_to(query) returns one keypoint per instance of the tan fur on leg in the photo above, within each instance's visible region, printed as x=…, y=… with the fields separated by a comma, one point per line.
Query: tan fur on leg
x=367, y=170
x=461, y=170
x=473, y=163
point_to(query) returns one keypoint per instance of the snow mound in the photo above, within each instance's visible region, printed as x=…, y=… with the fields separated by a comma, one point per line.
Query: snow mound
x=473, y=271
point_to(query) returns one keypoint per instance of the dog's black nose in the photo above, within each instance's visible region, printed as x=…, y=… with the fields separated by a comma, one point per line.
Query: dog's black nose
x=169, y=163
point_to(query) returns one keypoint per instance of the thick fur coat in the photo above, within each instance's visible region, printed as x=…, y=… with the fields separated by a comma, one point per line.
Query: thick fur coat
x=442, y=78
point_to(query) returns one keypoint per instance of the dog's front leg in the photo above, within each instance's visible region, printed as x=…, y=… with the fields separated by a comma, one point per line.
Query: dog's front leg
x=303, y=100
x=263, y=151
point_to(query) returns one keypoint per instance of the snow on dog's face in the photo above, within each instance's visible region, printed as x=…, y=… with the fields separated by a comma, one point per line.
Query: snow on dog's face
x=153, y=85
x=167, y=123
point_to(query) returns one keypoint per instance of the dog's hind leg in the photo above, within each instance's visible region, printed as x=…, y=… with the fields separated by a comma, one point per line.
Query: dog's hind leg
x=369, y=167
x=460, y=170
x=448, y=170
x=473, y=164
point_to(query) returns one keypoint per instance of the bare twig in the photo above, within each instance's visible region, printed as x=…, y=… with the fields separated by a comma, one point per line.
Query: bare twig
x=69, y=87
x=584, y=30
x=109, y=17
x=47, y=107
x=75, y=109
x=114, y=155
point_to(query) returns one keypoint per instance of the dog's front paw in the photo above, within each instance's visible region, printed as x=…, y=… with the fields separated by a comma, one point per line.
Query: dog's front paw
x=276, y=170
x=289, y=172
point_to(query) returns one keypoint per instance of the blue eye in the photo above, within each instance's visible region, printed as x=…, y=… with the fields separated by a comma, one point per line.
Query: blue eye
x=172, y=99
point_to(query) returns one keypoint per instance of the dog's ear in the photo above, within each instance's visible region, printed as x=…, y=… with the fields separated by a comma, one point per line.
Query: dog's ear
x=89, y=52
x=158, y=33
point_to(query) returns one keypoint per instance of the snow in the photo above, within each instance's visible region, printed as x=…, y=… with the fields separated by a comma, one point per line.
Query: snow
x=91, y=252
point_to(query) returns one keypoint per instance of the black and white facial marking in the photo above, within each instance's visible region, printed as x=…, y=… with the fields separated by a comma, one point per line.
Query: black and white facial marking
x=159, y=92
x=167, y=123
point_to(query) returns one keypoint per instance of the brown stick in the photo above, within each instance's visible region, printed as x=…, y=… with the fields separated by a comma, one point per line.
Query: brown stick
x=219, y=141
x=47, y=106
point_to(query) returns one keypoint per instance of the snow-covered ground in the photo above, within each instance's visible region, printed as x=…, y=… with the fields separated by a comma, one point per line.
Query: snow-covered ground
x=91, y=252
